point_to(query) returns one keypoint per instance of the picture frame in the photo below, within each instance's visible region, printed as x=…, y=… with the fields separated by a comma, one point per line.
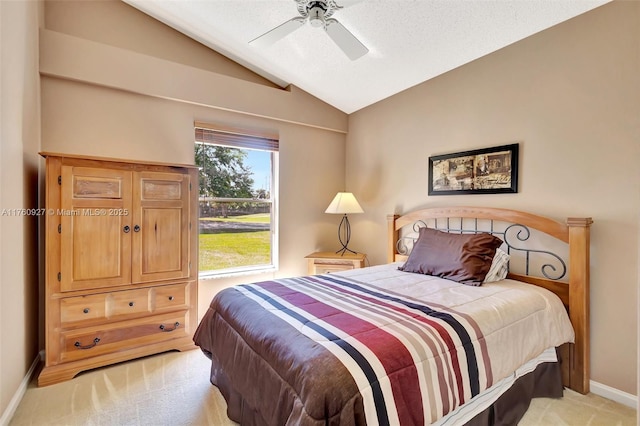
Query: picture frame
x=491, y=170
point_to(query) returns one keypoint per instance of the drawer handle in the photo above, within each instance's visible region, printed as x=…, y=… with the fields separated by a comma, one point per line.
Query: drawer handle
x=170, y=298
x=126, y=229
x=131, y=304
x=85, y=310
x=136, y=228
x=79, y=346
x=166, y=330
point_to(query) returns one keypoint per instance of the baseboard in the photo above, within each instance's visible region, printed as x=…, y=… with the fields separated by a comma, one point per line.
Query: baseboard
x=17, y=397
x=614, y=394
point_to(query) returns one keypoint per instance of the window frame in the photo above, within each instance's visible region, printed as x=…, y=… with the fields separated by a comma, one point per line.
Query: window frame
x=271, y=146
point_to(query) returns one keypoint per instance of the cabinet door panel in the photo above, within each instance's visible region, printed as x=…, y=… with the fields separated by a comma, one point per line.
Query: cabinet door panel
x=161, y=226
x=161, y=240
x=95, y=219
x=96, y=186
x=160, y=189
x=96, y=247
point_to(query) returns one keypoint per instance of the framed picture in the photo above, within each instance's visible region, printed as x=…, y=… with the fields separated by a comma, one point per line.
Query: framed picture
x=481, y=171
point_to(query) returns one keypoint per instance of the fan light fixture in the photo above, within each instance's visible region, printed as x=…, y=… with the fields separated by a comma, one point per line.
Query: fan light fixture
x=344, y=203
x=319, y=15
x=316, y=14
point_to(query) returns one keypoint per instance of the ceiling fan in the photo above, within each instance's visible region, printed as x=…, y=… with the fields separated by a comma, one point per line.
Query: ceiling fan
x=318, y=13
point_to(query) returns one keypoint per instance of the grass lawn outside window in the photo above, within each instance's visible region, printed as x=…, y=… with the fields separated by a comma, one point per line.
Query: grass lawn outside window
x=235, y=242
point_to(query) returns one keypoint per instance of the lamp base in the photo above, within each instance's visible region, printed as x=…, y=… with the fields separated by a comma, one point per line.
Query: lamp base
x=345, y=249
x=344, y=235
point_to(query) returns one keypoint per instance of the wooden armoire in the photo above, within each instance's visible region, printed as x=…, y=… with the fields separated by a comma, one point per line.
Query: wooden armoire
x=121, y=261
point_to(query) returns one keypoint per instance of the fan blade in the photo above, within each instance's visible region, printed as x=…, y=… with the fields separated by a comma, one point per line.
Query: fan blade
x=278, y=32
x=346, y=41
x=348, y=3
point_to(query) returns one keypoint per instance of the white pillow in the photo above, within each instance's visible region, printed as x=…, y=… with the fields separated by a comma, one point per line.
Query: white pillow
x=499, y=267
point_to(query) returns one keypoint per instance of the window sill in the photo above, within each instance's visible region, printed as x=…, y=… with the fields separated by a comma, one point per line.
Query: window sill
x=236, y=272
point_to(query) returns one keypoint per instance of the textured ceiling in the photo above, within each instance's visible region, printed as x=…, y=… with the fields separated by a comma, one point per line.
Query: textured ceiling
x=409, y=41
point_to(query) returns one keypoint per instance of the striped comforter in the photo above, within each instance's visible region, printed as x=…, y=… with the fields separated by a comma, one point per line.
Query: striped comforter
x=374, y=346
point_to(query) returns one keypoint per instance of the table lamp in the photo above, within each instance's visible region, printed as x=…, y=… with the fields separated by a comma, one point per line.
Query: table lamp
x=344, y=203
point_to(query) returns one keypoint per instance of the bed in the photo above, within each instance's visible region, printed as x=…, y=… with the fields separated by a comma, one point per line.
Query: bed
x=423, y=339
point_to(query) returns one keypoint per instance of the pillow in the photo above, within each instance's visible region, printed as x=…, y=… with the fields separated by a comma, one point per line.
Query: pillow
x=499, y=267
x=464, y=258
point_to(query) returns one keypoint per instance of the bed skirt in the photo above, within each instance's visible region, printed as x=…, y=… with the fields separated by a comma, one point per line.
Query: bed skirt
x=545, y=381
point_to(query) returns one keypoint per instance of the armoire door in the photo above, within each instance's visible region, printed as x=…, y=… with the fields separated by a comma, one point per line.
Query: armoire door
x=160, y=238
x=95, y=228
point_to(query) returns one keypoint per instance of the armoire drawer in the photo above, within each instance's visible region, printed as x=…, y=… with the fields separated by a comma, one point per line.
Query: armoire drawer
x=88, y=342
x=169, y=296
x=82, y=308
x=129, y=302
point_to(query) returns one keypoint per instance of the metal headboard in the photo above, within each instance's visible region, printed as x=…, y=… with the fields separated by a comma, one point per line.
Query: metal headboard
x=515, y=237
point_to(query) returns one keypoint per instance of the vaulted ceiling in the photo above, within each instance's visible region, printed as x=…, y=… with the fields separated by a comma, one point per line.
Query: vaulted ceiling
x=408, y=41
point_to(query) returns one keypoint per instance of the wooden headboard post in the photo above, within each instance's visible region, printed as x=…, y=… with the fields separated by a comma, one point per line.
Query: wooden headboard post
x=579, y=241
x=575, y=232
x=392, y=237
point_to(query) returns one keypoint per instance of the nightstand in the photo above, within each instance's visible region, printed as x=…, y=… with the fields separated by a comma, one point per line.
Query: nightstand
x=324, y=262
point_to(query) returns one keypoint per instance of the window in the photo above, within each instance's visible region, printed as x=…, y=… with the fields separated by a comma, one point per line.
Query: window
x=238, y=187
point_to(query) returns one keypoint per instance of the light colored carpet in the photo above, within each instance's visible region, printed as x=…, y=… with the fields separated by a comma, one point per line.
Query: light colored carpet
x=173, y=389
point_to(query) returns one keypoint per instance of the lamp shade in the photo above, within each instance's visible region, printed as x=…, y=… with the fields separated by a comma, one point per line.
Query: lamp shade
x=344, y=203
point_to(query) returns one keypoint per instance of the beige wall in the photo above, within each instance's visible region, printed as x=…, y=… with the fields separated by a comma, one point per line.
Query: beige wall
x=20, y=141
x=105, y=94
x=571, y=96
x=117, y=24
